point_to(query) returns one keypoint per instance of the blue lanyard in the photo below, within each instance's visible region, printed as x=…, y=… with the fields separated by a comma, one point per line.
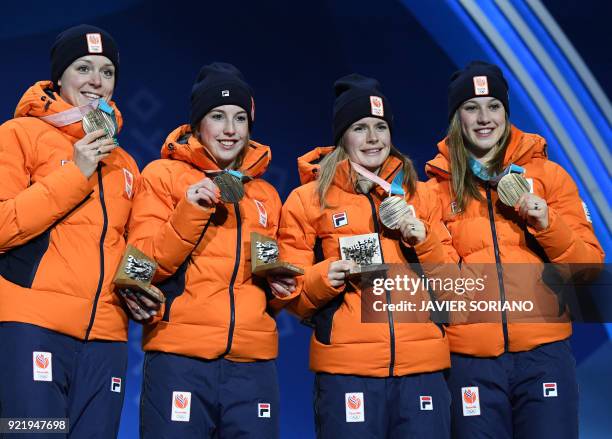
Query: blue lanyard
x=396, y=184
x=480, y=171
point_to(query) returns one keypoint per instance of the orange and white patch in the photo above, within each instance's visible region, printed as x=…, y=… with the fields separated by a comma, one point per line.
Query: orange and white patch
x=587, y=213
x=355, y=407
x=181, y=406
x=263, y=215
x=470, y=400
x=42, y=365
x=481, y=85
x=129, y=183
x=376, y=106
x=94, y=43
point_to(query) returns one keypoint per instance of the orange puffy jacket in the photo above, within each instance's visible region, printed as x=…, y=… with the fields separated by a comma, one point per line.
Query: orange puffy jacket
x=61, y=236
x=308, y=237
x=215, y=307
x=505, y=238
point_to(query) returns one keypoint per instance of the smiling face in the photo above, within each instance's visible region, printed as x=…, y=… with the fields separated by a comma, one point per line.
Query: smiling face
x=88, y=78
x=483, y=121
x=224, y=132
x=368, y=142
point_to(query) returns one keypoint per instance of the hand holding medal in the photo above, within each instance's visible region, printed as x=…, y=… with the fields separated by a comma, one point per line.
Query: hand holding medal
x=413, y=229
x=511, y=187
x=394, y=212
x=204, y=193
x=534, y=210
x=100, y=128
x=513, y=190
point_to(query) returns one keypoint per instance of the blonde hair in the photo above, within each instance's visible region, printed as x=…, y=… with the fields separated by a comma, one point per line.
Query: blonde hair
x=330, y=162
x=463, y=182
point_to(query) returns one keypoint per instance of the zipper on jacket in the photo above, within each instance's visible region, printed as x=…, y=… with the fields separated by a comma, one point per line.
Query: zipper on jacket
x=500, y=276
x=102, y=236
x=230, y=334
x=387, y=292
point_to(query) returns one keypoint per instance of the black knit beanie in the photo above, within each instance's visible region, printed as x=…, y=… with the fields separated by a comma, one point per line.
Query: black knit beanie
x=79, y=41
x=357, y=97
x=477, y=79
x=219, y=84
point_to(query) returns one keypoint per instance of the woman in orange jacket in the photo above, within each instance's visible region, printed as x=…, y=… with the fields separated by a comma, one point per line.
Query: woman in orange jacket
x=65, y=199
x=373, y=379
x=508, y=379
x=209, y=366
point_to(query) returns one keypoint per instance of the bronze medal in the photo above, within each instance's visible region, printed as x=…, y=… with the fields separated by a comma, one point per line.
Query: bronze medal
x=511, y=187
x=231, y=188
x=99, y=120
x=391, y=210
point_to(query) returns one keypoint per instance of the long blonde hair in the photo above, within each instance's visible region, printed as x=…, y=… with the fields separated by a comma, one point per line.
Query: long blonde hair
x=464, y=184
x=330, y=162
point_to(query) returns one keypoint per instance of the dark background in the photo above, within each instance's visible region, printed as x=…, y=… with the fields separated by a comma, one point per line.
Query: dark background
x=290, y=53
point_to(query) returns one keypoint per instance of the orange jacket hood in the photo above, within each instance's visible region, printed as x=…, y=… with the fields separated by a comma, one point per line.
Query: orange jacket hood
x=182, y=145
x=522, y=149
x=40, y=100
x=308, y=164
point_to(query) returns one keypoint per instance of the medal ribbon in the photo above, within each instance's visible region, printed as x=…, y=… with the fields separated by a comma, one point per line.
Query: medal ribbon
x=393, y=188
x=480, y=171
x=76, y=114
x=214, y=172
x=70, y=116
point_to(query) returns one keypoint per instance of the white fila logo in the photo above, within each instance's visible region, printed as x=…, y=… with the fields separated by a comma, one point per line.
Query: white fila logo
x=426, y=402
x=263, y=410
x=94, y=43
x=225, y=93
x=355, y=407
x=116, y=384
x=181, y=406
x=376, y=106
x=470, y=401
x=42, y=365
x=549, y=390
x=340, y=219
x=481, y=85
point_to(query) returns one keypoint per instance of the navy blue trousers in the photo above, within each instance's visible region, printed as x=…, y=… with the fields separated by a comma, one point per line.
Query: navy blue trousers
x=412, y=406
x=184, y=397
x=524, y=395
x=45, y=374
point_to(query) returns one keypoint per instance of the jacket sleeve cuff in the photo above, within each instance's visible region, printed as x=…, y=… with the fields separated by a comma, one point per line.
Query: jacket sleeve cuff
x=557, y=238
x=316, y=283
x=430, y=249
x=185, y=215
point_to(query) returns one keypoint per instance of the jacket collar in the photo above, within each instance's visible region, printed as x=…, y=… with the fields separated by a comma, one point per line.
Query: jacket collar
x=523, y=147
x=40, y=100
x=182, y=145
x=344, y=178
